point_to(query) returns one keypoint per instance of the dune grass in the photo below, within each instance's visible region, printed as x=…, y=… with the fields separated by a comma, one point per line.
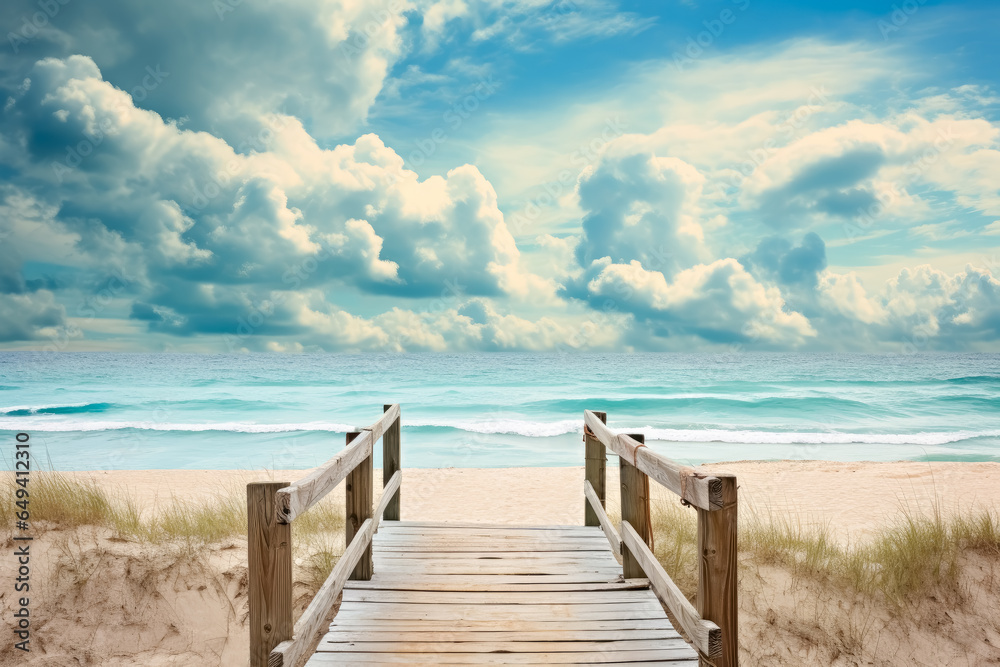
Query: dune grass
x=58, y=499
x=909, y=558
x=917, y=554
x=64, y=502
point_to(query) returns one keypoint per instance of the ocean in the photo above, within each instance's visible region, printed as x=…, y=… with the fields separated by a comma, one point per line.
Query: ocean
x=100, y=411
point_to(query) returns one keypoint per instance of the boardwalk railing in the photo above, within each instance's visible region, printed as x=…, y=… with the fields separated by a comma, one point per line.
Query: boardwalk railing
x=271, y=509
x=712, y=627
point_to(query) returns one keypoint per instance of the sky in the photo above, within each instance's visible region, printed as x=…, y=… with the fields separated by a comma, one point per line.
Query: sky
x=479, y=175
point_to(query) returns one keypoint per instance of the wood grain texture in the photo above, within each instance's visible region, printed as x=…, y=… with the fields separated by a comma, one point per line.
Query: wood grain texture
x=704, y=634
x=288, y=653
x=595, y=471
x=386, y=501
x=699, y=490
x=674, y=657
x=359, y=494
x=498, y=604
x=597, y=507
x=391, y=461
x=717, y=580
x=269, y=572
x=635, y=510
x=296, y=498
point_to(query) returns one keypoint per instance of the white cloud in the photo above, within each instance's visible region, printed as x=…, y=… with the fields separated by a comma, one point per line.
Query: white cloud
x=719, y=302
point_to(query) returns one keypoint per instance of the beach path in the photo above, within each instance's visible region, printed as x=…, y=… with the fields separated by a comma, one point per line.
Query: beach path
x=476, y=593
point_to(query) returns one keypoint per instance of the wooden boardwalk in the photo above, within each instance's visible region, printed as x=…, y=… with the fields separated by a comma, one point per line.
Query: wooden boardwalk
x=424, y=593
x=489, y=594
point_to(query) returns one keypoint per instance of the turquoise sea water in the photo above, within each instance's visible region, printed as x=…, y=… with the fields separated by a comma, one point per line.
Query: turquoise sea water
x=139, y=411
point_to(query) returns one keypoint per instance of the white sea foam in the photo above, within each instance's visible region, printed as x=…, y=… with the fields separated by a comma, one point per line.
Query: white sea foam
x=809, y=438
x=527, y=429
x=53, y=426
x=517, y=427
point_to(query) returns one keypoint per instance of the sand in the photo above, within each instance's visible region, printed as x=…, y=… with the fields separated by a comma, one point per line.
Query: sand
x=851, y=498
x=103, y=601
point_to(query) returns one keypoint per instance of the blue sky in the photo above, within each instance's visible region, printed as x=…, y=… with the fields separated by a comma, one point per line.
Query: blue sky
x=499, y=175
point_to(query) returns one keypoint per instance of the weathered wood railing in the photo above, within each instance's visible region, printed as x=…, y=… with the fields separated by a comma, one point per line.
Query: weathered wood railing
x=271, y=508
x=712, y=628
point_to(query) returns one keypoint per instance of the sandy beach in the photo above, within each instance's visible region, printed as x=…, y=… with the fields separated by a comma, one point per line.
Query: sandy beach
x=851, y=498
x=180, y=606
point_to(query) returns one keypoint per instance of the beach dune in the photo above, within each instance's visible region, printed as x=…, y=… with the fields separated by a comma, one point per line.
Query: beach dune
x=102, y=600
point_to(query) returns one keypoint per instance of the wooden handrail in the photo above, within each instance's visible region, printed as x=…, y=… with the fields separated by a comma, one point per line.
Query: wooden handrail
x=705, y=635
x=388, y=496
x=702, y=491
x=287, y=653
x=713, y=627
x=296, y=498
x=272, y=507
x=602, y=517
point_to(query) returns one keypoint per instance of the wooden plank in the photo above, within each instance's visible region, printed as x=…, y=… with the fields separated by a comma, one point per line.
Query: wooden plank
x=296, y=498
x=356, y=635
x=554, y=534
x=597, y=509
x=269, y=572
x=403, y=578
x=635, y=510
x=392, y=536
x=408, y=584
x=514, y=625
x=486, y=567
x=287, y=653
x=540, y=612
x=579, y=558
x=486, y=598
x=451, y=525
x=525, y=555
x=672, y=656
x=391, y=462
x=445, y=647
x=489, y=534
x=480, y=543
x=705, y=635
x=386, y=501
x=359, y=496
x=406, y=527
x=392, y=549
x=717, y=581
x=699, y=490
x=595, y=471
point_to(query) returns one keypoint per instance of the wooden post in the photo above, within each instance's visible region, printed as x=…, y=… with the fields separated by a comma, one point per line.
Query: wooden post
x=717, y=583
x=635, y=509
x=358, y=503
x=269, y=572
x=596, y=457
x=391, y=463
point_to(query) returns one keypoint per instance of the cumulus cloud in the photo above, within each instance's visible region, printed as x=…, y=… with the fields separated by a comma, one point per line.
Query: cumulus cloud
x=863, y=169
x=928, y=306
x=209, y=231
x=775, y=258
x=30, y=316
x=640, y=207
x=239, y=216
x=323, y=62
x=719, y=302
